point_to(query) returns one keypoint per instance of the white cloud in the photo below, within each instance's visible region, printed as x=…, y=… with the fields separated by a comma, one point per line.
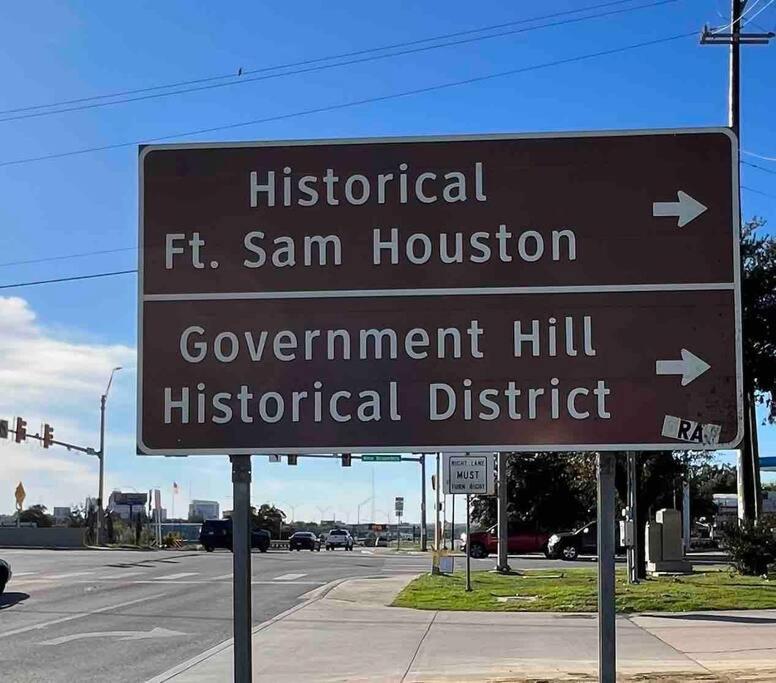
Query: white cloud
x=57, y=378
x=38, y=369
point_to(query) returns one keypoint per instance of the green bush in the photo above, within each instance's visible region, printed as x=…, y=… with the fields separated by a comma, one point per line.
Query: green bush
x=752, y=547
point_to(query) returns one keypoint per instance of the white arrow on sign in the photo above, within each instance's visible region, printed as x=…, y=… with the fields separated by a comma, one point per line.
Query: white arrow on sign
x=690, y=367
x=155, y=632
x=686, y=209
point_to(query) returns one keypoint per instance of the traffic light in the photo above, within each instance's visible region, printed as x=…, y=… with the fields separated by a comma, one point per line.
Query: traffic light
x=292, y=459
x=3, y=429
x=346, y=459
x=21, y=430
x=48, y=435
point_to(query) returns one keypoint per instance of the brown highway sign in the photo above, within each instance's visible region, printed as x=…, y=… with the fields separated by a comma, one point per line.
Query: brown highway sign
x=575, y=291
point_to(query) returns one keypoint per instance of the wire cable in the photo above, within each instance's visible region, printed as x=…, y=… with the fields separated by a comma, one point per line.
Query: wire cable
x=307, y=62
x=67, y=279
x=351, y=103
x=758, y=167
x=758, y=156
x=738, y=18
x=47, y=259
x=765, y=194
x=324, y=67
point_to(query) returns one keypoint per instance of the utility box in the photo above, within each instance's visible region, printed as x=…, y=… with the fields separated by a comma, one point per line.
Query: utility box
x=663, y=543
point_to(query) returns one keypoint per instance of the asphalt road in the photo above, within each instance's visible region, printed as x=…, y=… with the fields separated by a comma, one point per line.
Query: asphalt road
x=94, y=615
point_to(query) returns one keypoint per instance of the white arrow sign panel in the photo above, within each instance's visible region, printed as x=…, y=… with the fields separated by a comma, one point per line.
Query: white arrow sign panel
x=685, y=210
x=690, y=367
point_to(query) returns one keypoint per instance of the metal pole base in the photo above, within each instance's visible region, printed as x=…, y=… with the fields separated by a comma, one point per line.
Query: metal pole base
x=241, y=575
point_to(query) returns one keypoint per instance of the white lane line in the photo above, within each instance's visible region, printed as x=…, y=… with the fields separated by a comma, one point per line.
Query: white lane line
x=222, y=577
x=172, y=577
x=17, y=574
x=111, y=577
x=68, y=576
x=80, y=615
x=288, y=583
x=288, y=577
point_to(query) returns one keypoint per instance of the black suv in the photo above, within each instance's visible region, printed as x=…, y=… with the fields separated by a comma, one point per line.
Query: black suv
x=217, y=533
x=568, y=545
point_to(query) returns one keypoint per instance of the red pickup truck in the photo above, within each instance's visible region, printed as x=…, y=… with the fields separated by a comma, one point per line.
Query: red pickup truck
x=484, y=543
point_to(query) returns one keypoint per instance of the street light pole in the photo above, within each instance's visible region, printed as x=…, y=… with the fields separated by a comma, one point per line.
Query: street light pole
x=99, y=532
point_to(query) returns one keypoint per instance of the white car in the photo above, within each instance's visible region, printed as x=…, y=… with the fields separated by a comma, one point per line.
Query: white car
x=339, y=538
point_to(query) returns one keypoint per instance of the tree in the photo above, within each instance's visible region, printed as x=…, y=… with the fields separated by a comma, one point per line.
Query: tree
x=268, y=517
x=77, y=517
x=544, y=491
x=36, y=514
x=758, y=300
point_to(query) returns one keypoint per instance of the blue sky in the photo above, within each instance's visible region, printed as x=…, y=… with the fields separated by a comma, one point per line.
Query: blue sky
x=54, y=51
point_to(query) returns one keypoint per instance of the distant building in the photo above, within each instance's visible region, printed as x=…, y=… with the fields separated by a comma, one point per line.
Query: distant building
x=123, y=504
x=162, y=515
x=203, y=509
x=61, y=514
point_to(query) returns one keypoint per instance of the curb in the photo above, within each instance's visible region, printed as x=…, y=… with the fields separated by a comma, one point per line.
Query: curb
x=308, y=599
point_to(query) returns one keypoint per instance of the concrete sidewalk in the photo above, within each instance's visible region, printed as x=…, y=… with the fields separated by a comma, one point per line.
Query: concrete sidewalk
x=348, y=633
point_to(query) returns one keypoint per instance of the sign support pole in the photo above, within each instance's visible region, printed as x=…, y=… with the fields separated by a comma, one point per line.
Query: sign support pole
x=468, y=549
x=607, y=666
x=503, y=524
x=423, y=525
x=241, y=574
x=631, y=550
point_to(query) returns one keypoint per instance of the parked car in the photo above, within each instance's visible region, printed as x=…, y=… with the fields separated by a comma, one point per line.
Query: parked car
x=569, y=545
x=304, y=540
x=339, y=538
x=217, y=533
x=5, y=575
x=484, y=543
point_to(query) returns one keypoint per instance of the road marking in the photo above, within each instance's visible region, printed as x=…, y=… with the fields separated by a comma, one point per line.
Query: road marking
x=288, y=577
x=155, y=632
x=111, y=577
x=67, y=576
x=288, y=583
x=172, y=577
x=18, y=574
x=222, y=577
x=80, y=615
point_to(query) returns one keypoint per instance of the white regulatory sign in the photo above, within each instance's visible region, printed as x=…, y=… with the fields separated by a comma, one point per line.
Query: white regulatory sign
x=468, y=473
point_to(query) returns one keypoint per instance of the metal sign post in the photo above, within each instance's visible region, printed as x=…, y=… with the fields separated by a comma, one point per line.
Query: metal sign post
x=502, y=565
x=241, y=573
x=606, y=607
x=468, y=548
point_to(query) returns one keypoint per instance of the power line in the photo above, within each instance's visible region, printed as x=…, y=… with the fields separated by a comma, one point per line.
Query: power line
x=739, y=17
x=324, y=67
x=351, y=103
x=758, y=167
x=67, y=279
x=46, y=259
x=760, y=11
x=306, y=62
x=758, y=156
x=765, y=194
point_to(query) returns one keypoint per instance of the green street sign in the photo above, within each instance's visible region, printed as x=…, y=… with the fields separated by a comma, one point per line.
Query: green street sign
x=377, y=457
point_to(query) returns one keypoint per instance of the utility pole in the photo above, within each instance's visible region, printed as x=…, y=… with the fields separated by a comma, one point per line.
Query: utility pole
x=749, y=499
